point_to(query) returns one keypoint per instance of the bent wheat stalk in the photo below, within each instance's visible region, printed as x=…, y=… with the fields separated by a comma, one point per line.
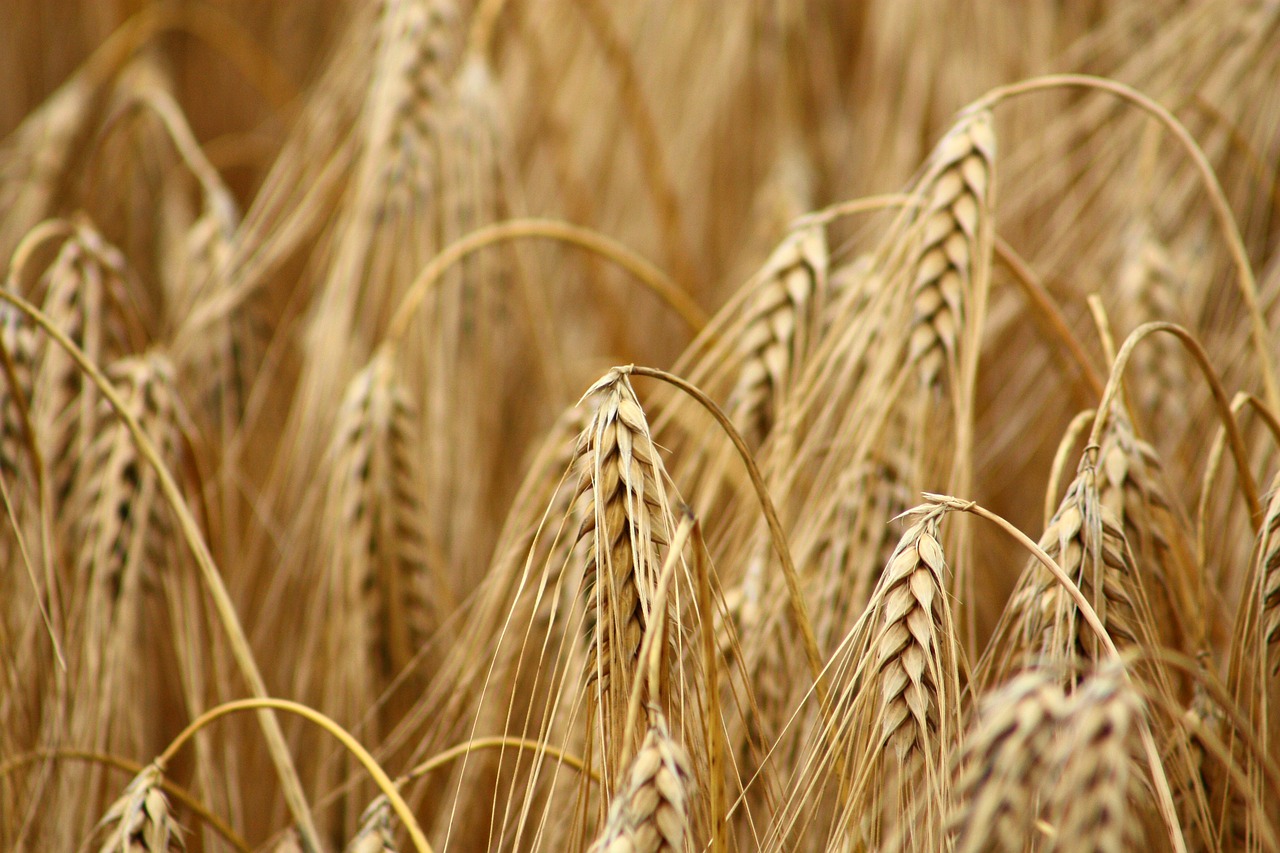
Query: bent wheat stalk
x=1245, y=280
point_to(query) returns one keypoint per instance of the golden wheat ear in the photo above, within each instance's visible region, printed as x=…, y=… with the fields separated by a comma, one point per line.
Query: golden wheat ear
x=376, y=833
x=650, y=810
x=624, y=480
x=952, y=256
x=1268, y=584
x=1004, y=764
x=1041, y=620
x=897, y=714
x=778, y=329
x=1097, y=800
x=140, y=821
x=378, y=591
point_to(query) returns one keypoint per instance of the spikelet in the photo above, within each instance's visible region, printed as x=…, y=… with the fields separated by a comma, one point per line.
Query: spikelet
x=950, y=257
x=650, y=811
x=377, y=587
x=778, y=328
x=1131, y=486
x=1042, y=620
x=630, y=522
x=122, y=547
x=140, y=822
x=16, y=463
x=1004, y=763
x=84, y=295
x=19, y=339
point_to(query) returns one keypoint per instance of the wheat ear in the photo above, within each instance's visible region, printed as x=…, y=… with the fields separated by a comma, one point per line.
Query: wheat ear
x=376, y=830
x=650, y=811
x=140, y=822
x=902, y=710
x=951, y=259
x=779, y=324
x=1004, y=763
x=1092, y=804
x=629, y=522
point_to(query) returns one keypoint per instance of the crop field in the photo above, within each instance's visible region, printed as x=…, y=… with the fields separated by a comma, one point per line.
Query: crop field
x=619, y=427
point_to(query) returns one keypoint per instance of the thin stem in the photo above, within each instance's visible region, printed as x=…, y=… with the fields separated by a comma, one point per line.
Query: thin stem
x=1047, y=310
x=646, y=273
x=710, y=662
x=1069, y=438
x=19, y=400
x=544, y=750
x=842, y=209
x=1213, y=463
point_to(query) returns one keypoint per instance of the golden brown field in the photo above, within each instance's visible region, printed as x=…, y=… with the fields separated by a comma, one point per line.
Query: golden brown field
x=572, y=425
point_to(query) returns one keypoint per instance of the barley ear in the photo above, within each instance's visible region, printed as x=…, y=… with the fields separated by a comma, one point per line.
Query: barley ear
x=650, y=811
x=139, y=822
x=375, y=834
x=950, y=257
x=630, y=521
x=1096, y=796
x=1004, y=764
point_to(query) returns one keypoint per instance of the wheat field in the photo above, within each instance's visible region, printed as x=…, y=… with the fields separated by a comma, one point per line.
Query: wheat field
x=563, y=425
